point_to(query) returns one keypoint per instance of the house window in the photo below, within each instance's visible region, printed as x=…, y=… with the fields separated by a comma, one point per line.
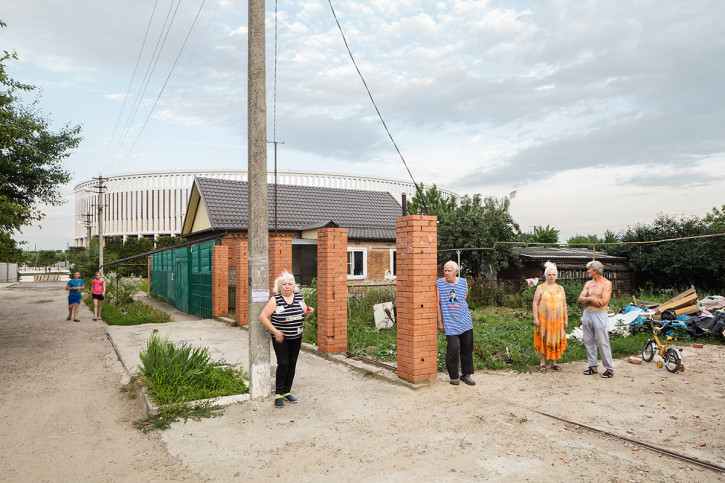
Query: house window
x=392, y=271
x=357, y=263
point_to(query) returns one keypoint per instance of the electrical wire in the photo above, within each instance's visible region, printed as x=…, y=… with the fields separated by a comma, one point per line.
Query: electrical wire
x=128, y=90
x=347, y=46
x=176, y=60
x=147, y=77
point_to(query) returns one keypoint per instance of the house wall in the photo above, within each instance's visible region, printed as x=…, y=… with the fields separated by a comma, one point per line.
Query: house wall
x=621, y=274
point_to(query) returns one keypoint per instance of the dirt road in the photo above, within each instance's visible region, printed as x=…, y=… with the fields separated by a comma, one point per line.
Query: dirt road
x=65, y=419
x=63, y=415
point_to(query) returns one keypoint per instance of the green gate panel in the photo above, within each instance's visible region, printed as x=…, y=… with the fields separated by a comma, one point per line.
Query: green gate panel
x=201, y=260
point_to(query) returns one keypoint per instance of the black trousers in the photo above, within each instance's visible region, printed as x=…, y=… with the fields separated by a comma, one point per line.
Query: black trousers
x=287, y=352
x=459, y=344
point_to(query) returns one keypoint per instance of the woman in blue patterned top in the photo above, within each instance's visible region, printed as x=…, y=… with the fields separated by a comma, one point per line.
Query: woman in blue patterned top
x=284, y=316
x=454, y=320
x=75, y=289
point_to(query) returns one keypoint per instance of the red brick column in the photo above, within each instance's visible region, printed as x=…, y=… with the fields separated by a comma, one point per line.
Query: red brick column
x=332, y=289
x=219, y=281
x=242, y=310
x=416, y=255
x=280, y=258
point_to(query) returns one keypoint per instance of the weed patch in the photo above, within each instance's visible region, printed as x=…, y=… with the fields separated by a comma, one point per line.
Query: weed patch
x=177, y=375
x=175, y=412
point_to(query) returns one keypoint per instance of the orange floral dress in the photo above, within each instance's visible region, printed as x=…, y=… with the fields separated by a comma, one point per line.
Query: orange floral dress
x=549, y=336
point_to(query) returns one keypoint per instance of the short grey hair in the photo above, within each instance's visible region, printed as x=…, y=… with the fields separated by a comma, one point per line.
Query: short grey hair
x=596, y=266
x=285, y=275
x=550, y=267
x=453, y=265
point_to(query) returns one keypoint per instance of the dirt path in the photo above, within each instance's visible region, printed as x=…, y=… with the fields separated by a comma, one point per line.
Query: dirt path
x=63, y=415
x=349, y=427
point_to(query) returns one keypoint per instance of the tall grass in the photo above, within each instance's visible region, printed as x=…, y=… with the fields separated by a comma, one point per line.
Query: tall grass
x=177, y=375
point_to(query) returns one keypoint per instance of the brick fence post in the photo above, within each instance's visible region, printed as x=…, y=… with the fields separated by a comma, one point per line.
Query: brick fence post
x=332, y=289
x=219, y=281
x=241, y=315
x=280, y=258
x=416, y=257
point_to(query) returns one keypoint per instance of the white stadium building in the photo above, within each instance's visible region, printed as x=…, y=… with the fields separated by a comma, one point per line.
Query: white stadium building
x=153, y=204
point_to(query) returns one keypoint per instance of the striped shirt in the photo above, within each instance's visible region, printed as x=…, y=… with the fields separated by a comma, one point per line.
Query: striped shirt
x=454, y=309
x=289, y=318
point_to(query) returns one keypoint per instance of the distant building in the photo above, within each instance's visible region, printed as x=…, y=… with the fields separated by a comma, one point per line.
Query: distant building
x=571, y=264
x=153, y=204
x=219, y=207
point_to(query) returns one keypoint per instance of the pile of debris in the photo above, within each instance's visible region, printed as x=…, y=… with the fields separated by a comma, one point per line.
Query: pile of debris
x=688, y=316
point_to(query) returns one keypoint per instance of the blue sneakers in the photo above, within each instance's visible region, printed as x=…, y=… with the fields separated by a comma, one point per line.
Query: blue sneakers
x=290, y=398
x=278, y=401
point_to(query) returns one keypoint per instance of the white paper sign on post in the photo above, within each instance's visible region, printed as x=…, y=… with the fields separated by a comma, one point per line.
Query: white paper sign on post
x=260, y=295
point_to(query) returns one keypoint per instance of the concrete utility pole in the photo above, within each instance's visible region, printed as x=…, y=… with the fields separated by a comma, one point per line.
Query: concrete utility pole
x=101, y=243
x=260, y=380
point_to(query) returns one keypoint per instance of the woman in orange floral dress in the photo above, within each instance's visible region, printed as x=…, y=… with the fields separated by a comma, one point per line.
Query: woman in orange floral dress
x=550, y=319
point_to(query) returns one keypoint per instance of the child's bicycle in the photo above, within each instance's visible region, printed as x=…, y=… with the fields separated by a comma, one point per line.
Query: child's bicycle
x=671, y=358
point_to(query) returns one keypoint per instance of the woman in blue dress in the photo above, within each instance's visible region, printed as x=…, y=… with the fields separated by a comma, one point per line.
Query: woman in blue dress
x=75, y=289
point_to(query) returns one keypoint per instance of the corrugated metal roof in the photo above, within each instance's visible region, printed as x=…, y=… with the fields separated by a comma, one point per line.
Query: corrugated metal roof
x=549, y=253
x=366, y=214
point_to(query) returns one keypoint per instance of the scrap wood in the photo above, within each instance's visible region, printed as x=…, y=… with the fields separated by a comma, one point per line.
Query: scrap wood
x=687, y=310
x=685, y=299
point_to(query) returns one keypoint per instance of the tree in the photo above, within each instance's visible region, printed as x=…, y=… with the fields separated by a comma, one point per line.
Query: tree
x=9, y=251
x=584, y=241
x=46, y=258
x=543, y=234
x=676, y=264
x=438, y=204
x=31, y=155
x=167, y=241
x=479, y=223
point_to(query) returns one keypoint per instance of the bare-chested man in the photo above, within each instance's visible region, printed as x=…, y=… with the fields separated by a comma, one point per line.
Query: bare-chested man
x=595, y=297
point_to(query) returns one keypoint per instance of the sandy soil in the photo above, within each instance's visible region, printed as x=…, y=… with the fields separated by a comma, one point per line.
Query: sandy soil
x=64, y=418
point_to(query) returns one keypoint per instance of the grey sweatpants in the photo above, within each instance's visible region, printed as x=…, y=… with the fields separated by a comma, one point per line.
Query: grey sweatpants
x=594, y=326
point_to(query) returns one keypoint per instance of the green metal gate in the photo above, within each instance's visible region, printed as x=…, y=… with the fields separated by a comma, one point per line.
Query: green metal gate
x=182, y=277
x=201, y=280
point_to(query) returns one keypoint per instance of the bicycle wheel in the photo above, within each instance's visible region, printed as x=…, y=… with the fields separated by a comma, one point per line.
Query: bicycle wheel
x=648, y=350
x=673, y=360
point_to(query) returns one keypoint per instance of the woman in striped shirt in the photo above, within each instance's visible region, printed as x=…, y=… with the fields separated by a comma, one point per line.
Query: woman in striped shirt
x=284, y=316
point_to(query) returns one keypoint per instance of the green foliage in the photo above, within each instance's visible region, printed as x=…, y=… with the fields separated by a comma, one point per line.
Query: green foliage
x=31, y=155
x=177, y=375
x=543, y=234
x=438, y=204
x=9, y=250
x=593, y=241
x=677, y=264
x=175, y=412
x=479, y=223
x=167, y=241
x=46, y=258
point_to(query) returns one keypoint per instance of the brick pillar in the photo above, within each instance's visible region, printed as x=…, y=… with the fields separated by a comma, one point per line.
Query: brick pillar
x=219, y=281
x=149, y=279
x=242, y=310
x=280, y=257
x=332, y=289
x=416, y=254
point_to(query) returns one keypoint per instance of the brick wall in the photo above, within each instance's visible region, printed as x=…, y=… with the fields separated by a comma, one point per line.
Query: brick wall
x=219, y=281
x=416, y=244
x=241, y=254
x=332, y=289
x=280, y=257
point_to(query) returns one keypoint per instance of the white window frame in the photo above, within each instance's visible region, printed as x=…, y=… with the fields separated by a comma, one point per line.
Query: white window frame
x=365, y=263
x=390, y=273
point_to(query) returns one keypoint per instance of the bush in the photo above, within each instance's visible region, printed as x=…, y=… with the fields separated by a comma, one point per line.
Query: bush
x=175, y=375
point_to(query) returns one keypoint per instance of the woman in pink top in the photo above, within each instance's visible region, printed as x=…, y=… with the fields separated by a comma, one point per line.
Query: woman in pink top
x=98, y=292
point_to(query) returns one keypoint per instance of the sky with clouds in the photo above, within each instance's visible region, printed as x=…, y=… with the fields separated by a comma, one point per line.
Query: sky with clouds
x=599, y=114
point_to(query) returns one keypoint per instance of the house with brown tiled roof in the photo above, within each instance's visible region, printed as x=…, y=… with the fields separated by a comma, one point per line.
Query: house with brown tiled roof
x=220, y=207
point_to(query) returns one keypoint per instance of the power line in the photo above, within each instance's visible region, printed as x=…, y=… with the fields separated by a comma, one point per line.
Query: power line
x=176, y=60
x=163, y=33
x=128, y=91
x=417, y=187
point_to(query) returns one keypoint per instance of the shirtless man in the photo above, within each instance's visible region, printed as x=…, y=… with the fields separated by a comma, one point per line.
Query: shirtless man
x=595, y=297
